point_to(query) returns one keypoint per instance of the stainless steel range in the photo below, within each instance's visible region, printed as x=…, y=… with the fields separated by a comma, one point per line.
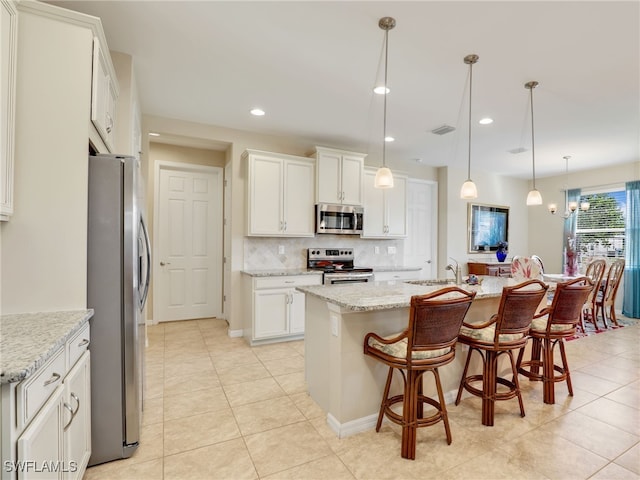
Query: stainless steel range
x=337, y=265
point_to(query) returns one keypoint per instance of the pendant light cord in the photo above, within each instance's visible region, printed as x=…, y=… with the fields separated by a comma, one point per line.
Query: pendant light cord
x=384, y=114
x=533, y=143
x=470, y=89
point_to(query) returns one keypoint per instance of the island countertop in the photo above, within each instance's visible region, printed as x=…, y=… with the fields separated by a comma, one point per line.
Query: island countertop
x=370, y=296
x=28, y=340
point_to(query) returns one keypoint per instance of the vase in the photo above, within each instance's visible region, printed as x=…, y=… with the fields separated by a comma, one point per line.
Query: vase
x=501, y=255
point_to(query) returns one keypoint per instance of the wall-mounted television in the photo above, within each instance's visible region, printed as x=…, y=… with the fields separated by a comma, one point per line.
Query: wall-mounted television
x=488, y=226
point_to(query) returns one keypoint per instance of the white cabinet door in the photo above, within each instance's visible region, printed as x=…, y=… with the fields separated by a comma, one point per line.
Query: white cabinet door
x=396, y=207
x=266, y=183
x=296, y=312
x=270, y=317
x=339, y=176
x=77, y=418
x=385, y=209
x=298, y=198
x=104, y=93
x=373, y=223
x=41, y=442
x=281, y=195
x=8, y=54
x=328, y=181
x=352, y=179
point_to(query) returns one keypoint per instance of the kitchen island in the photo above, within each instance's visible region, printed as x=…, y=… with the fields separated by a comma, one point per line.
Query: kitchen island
x=344, y=382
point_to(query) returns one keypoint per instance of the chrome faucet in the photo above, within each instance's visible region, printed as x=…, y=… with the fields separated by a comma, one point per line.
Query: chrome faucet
x=456, y=271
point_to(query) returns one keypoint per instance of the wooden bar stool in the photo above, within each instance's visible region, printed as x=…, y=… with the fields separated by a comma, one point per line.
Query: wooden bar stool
x=427, y=344
x=548, y=329
x=503, y=333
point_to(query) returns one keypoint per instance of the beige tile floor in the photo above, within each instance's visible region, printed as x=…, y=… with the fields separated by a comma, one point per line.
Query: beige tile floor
x=216, y=408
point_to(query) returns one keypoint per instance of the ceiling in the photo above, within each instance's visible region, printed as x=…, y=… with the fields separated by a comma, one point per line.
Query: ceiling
x=312, y=66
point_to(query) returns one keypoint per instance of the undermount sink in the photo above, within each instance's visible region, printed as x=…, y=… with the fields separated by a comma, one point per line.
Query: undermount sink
x=431, y=283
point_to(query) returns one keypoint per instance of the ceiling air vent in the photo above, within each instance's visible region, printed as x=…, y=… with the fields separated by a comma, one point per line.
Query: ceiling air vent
x=443, y=129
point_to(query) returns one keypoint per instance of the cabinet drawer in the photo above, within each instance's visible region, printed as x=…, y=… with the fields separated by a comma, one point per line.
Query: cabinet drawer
x=77, y=345
x=287, y=281
x=35, y=390
x=397, y=275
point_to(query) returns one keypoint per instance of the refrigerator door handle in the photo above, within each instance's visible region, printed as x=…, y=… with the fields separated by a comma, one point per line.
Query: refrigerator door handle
x=147, y=244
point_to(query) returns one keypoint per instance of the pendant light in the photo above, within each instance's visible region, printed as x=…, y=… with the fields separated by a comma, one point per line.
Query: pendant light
x=384, y=177
x=469, y=190
x=534, y=197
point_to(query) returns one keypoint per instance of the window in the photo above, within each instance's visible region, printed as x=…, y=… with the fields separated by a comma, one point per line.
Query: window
x=600, y=230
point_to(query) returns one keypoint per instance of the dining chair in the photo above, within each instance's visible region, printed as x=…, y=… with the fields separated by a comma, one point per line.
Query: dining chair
x=605, y=300
x=505, y=332
x=426, y=344
x=549, y=329
x=524, y=268
x=595, y=272
x=538, y=260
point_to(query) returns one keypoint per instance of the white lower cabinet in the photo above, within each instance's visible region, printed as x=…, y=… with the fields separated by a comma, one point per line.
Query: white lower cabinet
x=77, y=418
x=277, y=308
x=46, y=418
x=40, y=447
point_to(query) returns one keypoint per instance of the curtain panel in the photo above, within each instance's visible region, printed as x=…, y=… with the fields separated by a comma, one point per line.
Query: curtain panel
x=570, y=254
x=631, y=299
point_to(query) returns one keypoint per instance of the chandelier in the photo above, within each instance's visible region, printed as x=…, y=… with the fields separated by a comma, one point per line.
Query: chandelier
x=570, y=207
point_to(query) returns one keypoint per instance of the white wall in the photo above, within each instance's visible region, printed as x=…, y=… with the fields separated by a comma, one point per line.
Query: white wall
x=237, y=142
x=44, y=261
x=453, y=215
x=545, y=230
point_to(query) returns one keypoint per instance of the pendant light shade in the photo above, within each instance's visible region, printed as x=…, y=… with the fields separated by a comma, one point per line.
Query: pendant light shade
x=534, y=197
x=469, y=190
x=384, y=177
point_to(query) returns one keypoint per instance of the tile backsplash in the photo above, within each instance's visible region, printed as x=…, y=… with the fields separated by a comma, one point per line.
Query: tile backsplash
x=262, y=253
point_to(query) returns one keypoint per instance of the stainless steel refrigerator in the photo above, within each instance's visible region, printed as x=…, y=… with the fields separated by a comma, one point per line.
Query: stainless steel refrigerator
x=118, y=268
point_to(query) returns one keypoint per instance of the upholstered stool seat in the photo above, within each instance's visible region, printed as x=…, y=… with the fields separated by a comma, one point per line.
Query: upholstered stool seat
x=427, y=344
x=503, y=333
x=548, y=330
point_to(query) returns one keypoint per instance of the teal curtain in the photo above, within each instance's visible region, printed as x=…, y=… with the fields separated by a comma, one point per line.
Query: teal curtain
x=631, y=300
x=570, y=255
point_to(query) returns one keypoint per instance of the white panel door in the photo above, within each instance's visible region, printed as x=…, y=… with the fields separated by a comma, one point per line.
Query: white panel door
x=189, y=259
x=420, y=245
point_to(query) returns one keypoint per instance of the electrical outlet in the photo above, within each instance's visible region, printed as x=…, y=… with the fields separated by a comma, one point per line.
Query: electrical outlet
x=280, y=249
x=391, y=250
x=334, y=325
x=376, y=250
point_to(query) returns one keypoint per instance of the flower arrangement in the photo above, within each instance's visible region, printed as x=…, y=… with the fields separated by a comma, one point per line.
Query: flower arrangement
x=503, y=246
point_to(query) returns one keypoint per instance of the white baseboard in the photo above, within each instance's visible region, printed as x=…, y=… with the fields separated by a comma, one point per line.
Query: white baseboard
x=235, y=333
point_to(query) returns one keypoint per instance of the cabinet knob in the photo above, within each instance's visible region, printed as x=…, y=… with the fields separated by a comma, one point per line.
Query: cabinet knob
x=162, y=264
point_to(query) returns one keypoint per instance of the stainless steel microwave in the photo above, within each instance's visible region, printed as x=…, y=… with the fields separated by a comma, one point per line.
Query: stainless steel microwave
x=339, y=219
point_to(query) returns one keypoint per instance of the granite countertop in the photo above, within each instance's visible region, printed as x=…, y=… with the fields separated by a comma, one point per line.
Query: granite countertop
x=362, y=297
x=28, y=340
x=281, y=272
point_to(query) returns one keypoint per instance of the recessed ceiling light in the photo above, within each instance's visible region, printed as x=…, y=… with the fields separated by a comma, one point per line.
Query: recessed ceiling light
x=485, y=121
x=381, y=90
x=258, y=112
x=389, y=139
x=154, y=134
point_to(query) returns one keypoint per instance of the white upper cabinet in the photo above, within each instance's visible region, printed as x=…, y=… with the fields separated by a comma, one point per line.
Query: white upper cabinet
x=385, y=209
x=280, y=195
x=104, y=94
x=8, y=52
x=339, y=176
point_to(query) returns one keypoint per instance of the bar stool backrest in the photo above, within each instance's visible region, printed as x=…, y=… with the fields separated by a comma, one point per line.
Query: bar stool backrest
x=435, y=319
x=567, y=304
x=518, y=305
